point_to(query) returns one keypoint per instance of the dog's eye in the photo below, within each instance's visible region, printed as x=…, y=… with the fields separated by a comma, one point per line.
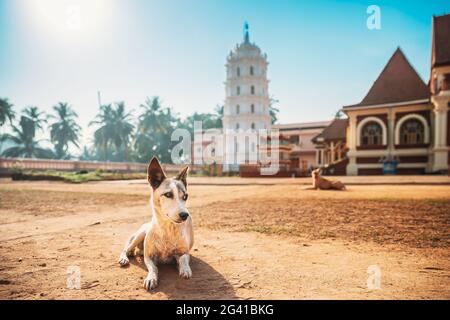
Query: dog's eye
x=168, y=195
x=185, y=196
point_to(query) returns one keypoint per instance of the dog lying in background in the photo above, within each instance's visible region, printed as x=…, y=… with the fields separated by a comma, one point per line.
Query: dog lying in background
x=325, y=184
x=169, y=235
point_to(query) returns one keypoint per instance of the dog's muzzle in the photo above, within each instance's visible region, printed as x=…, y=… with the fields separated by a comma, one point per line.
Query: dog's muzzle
x=184, y=216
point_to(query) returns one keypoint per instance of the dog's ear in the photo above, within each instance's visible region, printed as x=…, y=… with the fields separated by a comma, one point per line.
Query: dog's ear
x=155, y=173
x=182, y=175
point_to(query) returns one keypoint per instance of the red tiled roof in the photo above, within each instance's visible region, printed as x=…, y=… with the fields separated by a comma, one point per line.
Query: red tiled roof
x=398, y=82
x=440, y=52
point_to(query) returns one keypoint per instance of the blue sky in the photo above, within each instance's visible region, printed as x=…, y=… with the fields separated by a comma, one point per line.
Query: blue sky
x=321, y=54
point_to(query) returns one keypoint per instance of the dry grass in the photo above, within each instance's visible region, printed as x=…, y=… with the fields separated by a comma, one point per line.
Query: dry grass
x=417, y=223
x=48, y=203
x=417, y=216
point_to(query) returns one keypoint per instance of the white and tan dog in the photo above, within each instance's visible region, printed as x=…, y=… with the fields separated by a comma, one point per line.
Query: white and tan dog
x=324, y=184
x=169, y=235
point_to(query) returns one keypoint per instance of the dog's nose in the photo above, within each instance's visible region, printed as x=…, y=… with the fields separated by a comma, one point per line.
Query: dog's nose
x=184, y=215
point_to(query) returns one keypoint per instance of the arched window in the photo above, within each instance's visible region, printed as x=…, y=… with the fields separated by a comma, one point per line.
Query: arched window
x=238, y=90
x=252, y=89
x=371, y=134
x=238, y=71
x=238, y=109
x=252, y=71
x=253, y=125
x=252, y=108
x=412, y=132
x=237, y=126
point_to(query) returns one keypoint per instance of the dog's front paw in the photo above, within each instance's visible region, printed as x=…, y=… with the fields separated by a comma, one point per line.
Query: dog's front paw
x=123, y=260
x=185, y=272
x=151, y=282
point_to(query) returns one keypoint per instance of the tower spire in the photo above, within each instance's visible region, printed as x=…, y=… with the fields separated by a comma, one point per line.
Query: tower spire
x=246, y=33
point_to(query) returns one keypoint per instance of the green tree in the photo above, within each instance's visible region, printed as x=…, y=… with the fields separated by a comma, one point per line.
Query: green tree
x=87, y=154
x=25, y=144
x=103, y=134
x=36, y=117
x=64, y=130
x=273, y=111
x=6, y=111
x=338, y=114
x=114, y=132
x=123, y=129
x=219, y=112
x=154, y=130
x=209, y=120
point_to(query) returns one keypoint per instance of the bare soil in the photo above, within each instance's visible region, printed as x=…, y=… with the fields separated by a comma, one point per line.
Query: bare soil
x=276, y=241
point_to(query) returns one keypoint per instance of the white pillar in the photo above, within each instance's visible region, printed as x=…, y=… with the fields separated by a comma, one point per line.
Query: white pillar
x=391, y=130
x=332, y=152
x=352, y=168
x=440, y=147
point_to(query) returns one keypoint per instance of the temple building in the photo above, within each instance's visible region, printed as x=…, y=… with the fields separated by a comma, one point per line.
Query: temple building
x=247, y=99
x=401, y=119
x=400, y=126
x=331, y=147
x=303, y=154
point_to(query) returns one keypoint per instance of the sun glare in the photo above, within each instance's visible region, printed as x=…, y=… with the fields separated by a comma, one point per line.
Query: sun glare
x=71, y=18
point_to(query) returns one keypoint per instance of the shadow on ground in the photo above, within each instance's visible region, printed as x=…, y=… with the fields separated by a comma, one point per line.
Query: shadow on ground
x=206, y=282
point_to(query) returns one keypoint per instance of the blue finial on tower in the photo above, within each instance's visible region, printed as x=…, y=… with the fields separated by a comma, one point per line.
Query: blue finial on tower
x=246, y=34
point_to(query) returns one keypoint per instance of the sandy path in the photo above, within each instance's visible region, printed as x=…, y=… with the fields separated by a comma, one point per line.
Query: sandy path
x=37, y=250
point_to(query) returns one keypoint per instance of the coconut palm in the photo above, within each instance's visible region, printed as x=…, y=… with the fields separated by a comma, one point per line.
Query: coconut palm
x=6, y=111
x=103, y=134
x=25, y=144
x=64, y=130
x=123, y=130
x=154, y=131
x=113, y=135
x=38, y=118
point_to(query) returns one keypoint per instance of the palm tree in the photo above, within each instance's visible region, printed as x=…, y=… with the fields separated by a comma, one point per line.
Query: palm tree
x=150, y=116
x=103, y=134
x=64, y=130
x=123, y=130
x=37, y=118
x=6, y=111
x=154, y=131
x=23, y=138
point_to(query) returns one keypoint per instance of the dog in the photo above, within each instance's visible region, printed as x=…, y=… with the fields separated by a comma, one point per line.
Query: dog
x=325, y=184
x=169, y=235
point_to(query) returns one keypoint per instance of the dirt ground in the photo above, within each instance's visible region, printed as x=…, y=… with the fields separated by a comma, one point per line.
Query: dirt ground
x=272, y=241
